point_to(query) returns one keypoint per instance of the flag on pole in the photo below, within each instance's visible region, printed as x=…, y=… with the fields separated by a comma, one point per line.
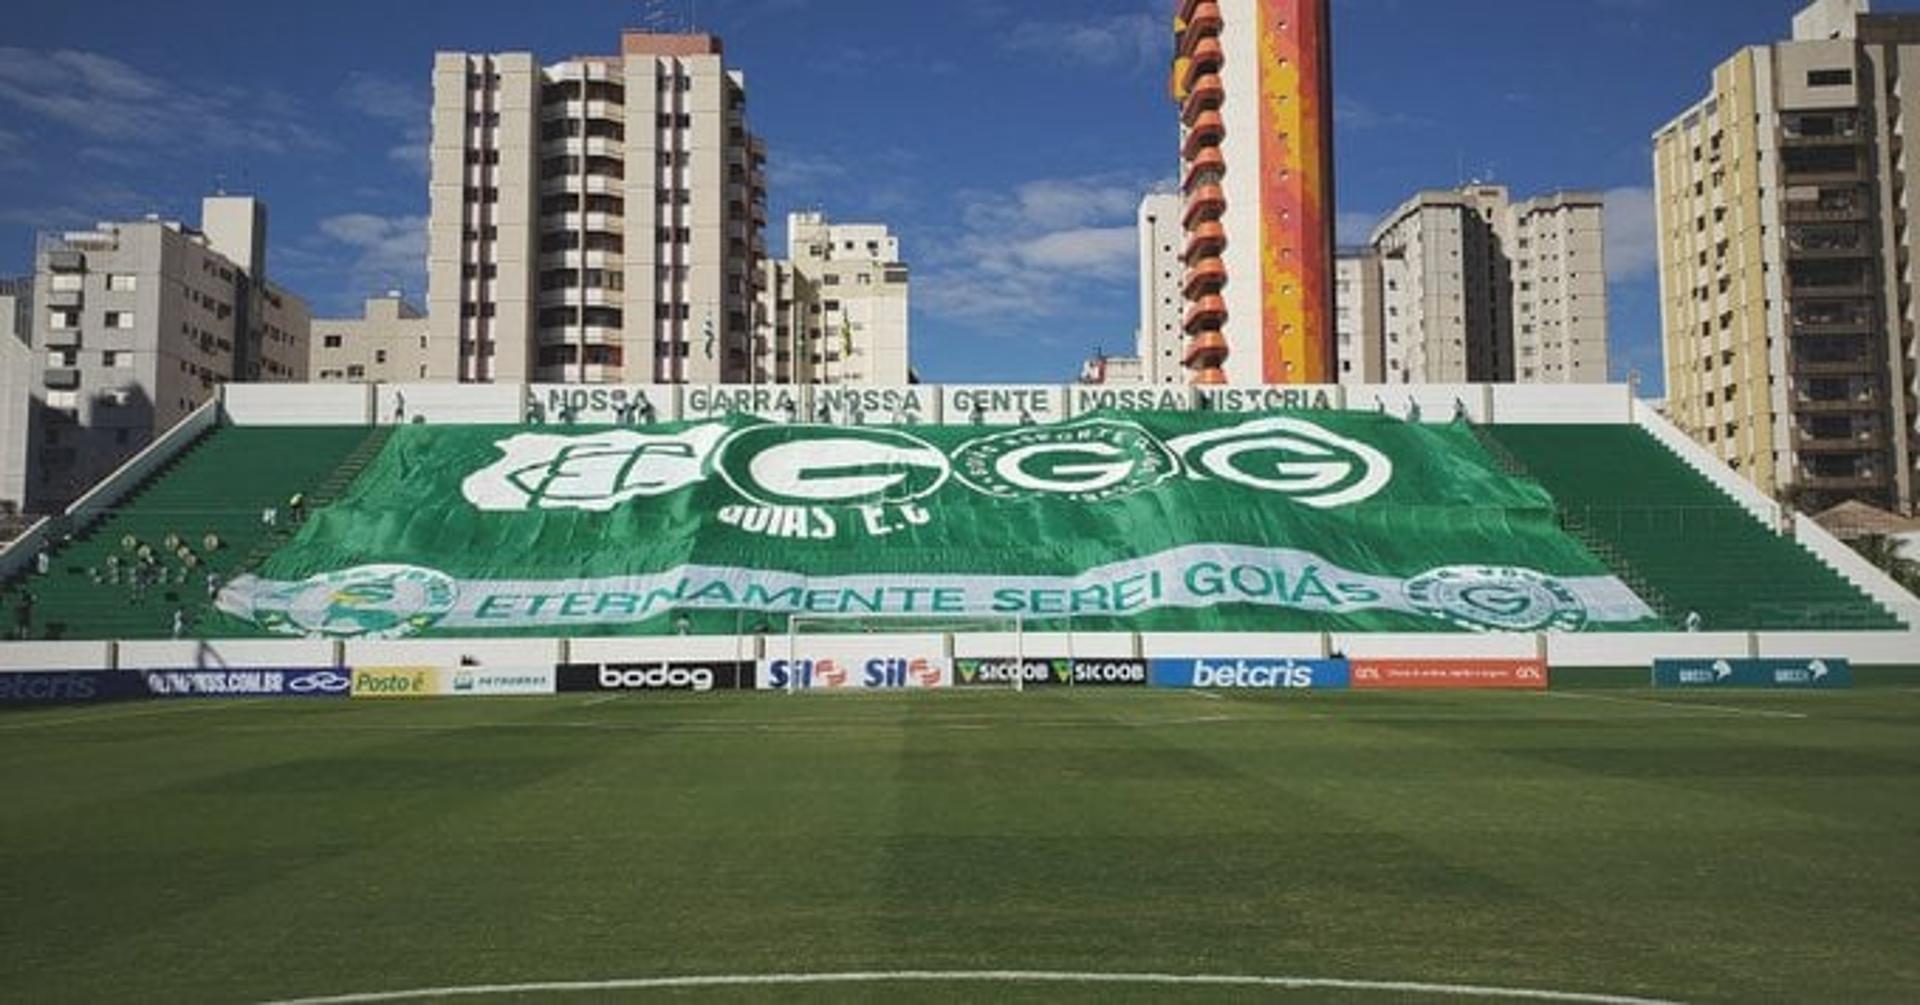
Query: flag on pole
x=846, y=336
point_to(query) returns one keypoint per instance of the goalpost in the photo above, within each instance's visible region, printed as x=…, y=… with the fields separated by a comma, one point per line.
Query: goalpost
x=1007, y=632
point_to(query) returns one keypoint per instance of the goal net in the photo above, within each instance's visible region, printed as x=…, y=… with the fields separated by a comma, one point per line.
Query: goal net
x=933, y=640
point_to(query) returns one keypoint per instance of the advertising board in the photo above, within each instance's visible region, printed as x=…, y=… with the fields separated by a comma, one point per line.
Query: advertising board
x=1796, y=674
x=655, y=676
x=1449, y=674
x=888, y=672
x=1280, y=673
x=321, y=682
x=45, y=687
x=1055, y=672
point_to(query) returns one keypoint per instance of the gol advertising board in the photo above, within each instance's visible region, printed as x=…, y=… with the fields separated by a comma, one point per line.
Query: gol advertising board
x=59, y=687
x=323, y=682
x=1449, y=675
x=1058, y=672
x=876, y=673
x=1285, y=674
x=1760, y=673
x=655, y=676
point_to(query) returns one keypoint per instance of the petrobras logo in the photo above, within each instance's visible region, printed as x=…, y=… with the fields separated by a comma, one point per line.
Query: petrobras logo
x=595, y=472
x=659, y=677
x=1498, y=599
x=1288, y=457
x=1093, y=460
x=373, y=602
x=1243, y=673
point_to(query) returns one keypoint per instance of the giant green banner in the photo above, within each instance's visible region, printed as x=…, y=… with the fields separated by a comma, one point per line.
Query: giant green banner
x=1153, y=521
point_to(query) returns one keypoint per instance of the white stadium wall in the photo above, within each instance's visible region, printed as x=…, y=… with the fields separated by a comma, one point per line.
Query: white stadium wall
x=1564, y=405
x=298, y=404
x=484, y=654
x=16, y=656
x=1002, y=404
x=228, y=654
x=1044, y=645
x=477, y=404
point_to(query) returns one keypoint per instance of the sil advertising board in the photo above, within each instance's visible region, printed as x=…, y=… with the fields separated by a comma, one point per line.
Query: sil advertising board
x=878, y=672
x=1449, y=675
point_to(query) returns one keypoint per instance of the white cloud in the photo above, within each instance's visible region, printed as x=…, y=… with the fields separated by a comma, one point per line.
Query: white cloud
x=1633, y=245
x=1048, y=248
x=1124, y=40
x=404, y=105
x=111, y=101
x=389, y=252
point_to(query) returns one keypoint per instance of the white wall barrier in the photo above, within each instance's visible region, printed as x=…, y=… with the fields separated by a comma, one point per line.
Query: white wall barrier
x=450, y=404
x=234, y=654
x=1563, y=404
x=873, y=405
x=1085, y=398
x=1868, y=649
x=601, y=404
x=298, y=404
x=1043, y=645
x=664, y=649
x=1434, y=404
x=1241, y=400
x=22, y=656
x=775, y=402
x=487, y=654
x=1631, y=649
x=1361, y=645
x=1177, y=645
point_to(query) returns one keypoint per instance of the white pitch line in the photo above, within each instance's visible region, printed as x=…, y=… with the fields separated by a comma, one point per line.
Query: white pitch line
x=602, y=700
x=1765, y=713
x=980, y=977
x=721, y=727
x=1209, y=695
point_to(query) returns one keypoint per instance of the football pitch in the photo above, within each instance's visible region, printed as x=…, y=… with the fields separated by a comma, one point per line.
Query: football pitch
x=1600, y=839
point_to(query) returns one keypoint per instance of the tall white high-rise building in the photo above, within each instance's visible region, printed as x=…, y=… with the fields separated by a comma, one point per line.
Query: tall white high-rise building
x=595, y=221
x=835, y=310
x=1163, y=302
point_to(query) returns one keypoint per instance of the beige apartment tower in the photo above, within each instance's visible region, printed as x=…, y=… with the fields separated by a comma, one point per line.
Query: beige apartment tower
x=134, y=326
x=836, y=309
x=1476, y=288
x=595, y=221
x=1786, y=274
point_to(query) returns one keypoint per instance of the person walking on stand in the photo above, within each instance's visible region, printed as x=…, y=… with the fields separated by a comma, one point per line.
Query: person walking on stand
x=179, y=623
x=23, y=616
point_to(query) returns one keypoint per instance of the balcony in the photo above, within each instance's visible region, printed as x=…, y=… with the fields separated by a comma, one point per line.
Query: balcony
x=1843, y=483
x=1871, y=441
x=63, y=378
x=1832, y=324
x=1867, y=403
x=1205, y=19
x=1208, y=240
x=1208, y=166
x=66, y=261
x=1853, y=366
x=1208, y=130
x=63, y=338
x=1827, y=211
x=1208, y=203
x=1205, y=350
x=1208, y=95
x=1207, y=276
x=1207, y=314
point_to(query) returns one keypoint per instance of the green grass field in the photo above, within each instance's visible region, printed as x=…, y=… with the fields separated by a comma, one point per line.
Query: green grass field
x=1725, y=847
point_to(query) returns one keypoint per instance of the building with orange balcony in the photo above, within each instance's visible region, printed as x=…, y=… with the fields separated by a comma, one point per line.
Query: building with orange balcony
x=1254, y=84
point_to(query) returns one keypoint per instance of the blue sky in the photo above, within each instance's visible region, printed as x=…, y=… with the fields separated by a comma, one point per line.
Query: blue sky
x=1007, y=143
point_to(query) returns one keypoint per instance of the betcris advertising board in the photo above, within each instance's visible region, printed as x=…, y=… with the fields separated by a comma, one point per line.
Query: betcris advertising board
x=59, y=687
x=879, y=672
x=1762, y=673
x=1240, y=672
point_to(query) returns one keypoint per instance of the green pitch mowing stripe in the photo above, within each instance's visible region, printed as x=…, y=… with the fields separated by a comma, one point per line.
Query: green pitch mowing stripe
x=1652, y=846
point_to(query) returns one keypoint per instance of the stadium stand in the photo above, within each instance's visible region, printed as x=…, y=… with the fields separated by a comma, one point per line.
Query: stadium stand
x=202, y=513
x=1696, y=548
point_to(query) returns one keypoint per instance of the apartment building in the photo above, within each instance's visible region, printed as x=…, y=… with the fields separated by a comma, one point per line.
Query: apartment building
x=1161, y=338
x=1359, y=316
x=1253, y=79
x=16, y=373
x=134, y=326
x=1786, y=274
x=390, y=342
x=1476, y=288
x=836, y=309
x=598, y=220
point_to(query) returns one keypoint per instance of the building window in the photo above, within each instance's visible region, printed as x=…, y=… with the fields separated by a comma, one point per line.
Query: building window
x=379, y=355
x=330, y=341
x=65, y=282
x=112, y=358
x=121, y=282
x=1829, y=78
